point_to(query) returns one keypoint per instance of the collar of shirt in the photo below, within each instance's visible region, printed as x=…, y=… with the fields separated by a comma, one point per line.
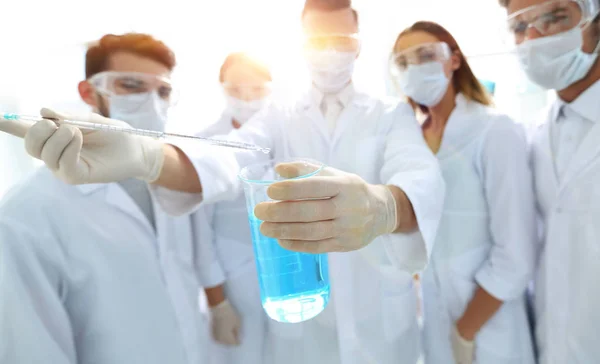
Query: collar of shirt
x=345, y=96
x=586, y=105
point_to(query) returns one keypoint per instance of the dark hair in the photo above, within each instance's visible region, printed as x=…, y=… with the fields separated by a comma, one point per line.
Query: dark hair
x=243, y=58
x=463, y=80
x=98, y=54
x=328, y=5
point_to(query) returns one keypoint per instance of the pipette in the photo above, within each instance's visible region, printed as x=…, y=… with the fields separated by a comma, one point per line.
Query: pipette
x=141, y=132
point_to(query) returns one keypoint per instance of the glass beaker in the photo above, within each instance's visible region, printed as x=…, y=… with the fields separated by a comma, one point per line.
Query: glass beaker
x=294, y=287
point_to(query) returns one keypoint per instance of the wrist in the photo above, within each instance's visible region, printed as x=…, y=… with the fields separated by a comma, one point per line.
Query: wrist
x=153, y=152
x=215, y=296
x=387, y=209
x=465, y=330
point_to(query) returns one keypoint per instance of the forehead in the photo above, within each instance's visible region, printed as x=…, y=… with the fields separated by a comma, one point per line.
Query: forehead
x=240, y=73
x=316, y=22
x=129, y=62
x=516, y=5
x=413, y=39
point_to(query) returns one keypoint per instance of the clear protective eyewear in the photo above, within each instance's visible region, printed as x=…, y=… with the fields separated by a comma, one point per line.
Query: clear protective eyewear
x=111, y=84
x=334, y=41
x=248, y=91
x=420, y=54
x=550, y=18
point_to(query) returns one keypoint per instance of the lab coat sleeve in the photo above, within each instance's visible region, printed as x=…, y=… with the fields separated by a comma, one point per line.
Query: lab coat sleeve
x=511, y=205
x=34, y=326
x=218, y=167
x=410, y=165
x=208, y=266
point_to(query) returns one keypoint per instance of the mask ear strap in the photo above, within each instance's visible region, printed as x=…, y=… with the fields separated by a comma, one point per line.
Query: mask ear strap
x=102, y=107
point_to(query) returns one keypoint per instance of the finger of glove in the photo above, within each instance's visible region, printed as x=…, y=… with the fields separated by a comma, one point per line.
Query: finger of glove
x=300, y=189
x=37, y=136
x=236, y=336
x=56, y=115
x=70, y=160
x=56, y=145
x=311, y=231
x=15, y=127
x=296, y=211
x=301, y=168
x=313, y=247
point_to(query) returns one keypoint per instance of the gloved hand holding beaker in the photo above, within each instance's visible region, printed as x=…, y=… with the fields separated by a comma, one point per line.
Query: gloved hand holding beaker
x=338, y=211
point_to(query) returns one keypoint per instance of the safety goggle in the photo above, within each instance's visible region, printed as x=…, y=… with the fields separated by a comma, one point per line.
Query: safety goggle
x=550, y=18
x=113, y=83
x=247, y=91
x=420, y=54
x=338, y=42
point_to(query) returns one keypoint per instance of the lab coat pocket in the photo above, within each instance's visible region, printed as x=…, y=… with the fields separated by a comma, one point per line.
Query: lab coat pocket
x=461, y=292
x=399, y=307
x=462, y=277
x=499, y=340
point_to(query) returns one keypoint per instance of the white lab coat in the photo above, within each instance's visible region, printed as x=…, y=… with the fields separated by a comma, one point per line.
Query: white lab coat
x=567, y=292
x=84, y=280
x=372, y=292
x=234, y=265
x=487, y=236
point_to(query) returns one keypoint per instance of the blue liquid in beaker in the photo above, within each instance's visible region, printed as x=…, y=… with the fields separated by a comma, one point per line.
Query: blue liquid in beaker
x=294, y=287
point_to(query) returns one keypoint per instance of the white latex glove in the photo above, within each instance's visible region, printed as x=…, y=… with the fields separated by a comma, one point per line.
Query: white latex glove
x=226, y=324
x=462, y=349
x=340, y=212
x=88, y=156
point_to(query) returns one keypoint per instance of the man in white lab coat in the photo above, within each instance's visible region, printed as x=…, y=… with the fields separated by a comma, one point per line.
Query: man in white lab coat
x=380, y=200
x=98, y=273
x=558, y=44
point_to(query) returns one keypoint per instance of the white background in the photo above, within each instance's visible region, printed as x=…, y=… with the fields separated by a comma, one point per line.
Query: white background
x=43, y=46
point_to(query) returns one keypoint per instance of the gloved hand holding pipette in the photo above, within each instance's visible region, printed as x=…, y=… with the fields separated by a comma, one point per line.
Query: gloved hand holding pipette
x=79, y=156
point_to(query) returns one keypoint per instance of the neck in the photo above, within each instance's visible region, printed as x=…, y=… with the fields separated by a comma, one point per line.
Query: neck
x=572, y=92
x=439, y=114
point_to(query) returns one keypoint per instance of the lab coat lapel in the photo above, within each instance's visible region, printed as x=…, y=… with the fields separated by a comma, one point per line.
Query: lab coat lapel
x=548, y=152
x=464, y=124
x=355, y=111
x=587, y=153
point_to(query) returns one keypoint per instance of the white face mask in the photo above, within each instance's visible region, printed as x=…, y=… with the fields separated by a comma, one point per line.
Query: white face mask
x=142, y=111
x=556, y=62
x=330, y=70
x=425, y=83
x=242, y=110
